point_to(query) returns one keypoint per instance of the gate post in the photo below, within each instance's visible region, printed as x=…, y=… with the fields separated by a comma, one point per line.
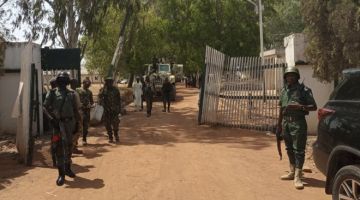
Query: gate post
x=202, y=90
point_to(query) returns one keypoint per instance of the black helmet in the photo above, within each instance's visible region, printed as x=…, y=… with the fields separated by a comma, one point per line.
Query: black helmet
x=292, y=70
x=63, y=77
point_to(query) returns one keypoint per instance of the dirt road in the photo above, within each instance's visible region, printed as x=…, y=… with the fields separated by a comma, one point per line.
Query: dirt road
x=166, y=156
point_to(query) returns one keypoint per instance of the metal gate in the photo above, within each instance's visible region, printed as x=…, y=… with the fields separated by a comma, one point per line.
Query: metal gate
x=240, y=91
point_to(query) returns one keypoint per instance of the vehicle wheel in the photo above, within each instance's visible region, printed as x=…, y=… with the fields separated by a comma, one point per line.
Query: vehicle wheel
x=347, y=183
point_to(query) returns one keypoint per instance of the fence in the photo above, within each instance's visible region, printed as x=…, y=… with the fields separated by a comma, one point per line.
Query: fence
x=241, y=91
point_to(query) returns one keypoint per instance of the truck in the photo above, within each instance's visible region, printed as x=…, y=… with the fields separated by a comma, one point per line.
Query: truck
x=159, y=73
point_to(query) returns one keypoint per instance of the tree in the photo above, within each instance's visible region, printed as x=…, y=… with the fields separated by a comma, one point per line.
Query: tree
x=282, y=17
x=332, y=29
x=5, y=14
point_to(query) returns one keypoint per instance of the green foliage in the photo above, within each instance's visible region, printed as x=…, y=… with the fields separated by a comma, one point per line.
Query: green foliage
x=5, y=14
x=333, y=30
x=282, y=18
x=100, y=49
x=62, y=20
x=179, y=30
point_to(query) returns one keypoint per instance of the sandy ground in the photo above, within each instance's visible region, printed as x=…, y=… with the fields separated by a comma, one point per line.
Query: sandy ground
x=167, y=156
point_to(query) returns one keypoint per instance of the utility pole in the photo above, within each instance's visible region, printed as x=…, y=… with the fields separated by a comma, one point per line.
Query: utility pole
x=259, y=10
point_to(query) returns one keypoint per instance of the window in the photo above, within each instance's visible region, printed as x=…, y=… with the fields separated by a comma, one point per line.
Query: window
x=164, y=68
x=349, y=89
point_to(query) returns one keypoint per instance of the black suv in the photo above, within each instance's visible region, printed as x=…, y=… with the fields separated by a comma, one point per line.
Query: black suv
x=337, y=148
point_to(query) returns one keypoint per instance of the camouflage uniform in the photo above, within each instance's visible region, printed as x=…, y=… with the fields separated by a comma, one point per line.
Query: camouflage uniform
x=166, y=92
x=148, y=94
x=64, y=109
x=76, y=133
x=294, y=123
x=86, y=99
x=296, y=100
x=109, y=98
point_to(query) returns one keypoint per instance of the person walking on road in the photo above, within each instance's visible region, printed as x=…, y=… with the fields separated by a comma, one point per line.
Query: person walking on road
x=137, y=90
x=166, y=91
x=63, y=110
x=109, y=98
x=296, y=100
x=86, y=99
x=79, y=123
x=148, y=94
x=143, y=92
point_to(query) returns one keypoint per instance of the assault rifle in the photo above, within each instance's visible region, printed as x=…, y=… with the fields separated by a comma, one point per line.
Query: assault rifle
x=279, y=137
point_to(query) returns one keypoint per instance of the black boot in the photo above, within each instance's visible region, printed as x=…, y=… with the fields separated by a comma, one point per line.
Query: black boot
x=111, y=139
x=61, y=178
x=117, y=139
x=69, y=172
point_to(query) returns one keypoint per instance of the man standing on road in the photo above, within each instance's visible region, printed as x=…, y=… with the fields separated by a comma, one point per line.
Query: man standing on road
x=166, y=91
x=137, y=90
x=296, y=100
x=109, y=98
x=63, y=112
x=143, y=92
x=76, y=136
x=148, y=93
x=86, y=99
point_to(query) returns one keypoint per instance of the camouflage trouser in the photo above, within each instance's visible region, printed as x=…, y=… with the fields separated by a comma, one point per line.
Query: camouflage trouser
x=76, y=135
x=86, y=121
x=166, y=100
x=112, y=124
x=63, y=147
x=149, y=102
x=295, y=136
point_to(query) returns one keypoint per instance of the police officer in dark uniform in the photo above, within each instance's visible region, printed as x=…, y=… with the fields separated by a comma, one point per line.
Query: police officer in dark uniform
x=296, y=100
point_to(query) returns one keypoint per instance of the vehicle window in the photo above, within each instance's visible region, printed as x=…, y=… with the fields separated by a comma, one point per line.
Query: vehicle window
x=349, y=89
x=164, y=68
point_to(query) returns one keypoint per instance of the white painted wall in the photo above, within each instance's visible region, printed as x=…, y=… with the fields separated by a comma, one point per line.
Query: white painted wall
x=295, y=46
x=321, y=92
x=9, y=84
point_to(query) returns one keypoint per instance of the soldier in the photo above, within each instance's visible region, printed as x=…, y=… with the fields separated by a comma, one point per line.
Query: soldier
x=86, y=98
x=62, y=109
x=143, y=92
x=51, y=127
x=76, y=136
x=109, y=98
x=166, y=91
x=296, y=100
x=148, y=94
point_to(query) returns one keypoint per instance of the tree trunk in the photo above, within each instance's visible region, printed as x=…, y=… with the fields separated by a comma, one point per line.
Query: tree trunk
x=131, y=80
x=121, y=42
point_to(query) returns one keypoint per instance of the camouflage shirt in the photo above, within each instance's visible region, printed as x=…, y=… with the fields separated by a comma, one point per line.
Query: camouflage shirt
x=109, y=98
x=86, y=98
x=62, y=103
x=297, y=94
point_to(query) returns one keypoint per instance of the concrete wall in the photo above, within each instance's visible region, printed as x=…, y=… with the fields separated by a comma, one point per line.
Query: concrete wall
x=321, y=92
x=295, y=46
x=9, y=84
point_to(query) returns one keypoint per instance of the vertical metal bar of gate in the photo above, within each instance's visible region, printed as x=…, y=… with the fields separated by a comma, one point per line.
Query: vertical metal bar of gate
x=243, y=86
x=237, y=99
x=240, y=92
x=206, y=81
x=232, y=94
